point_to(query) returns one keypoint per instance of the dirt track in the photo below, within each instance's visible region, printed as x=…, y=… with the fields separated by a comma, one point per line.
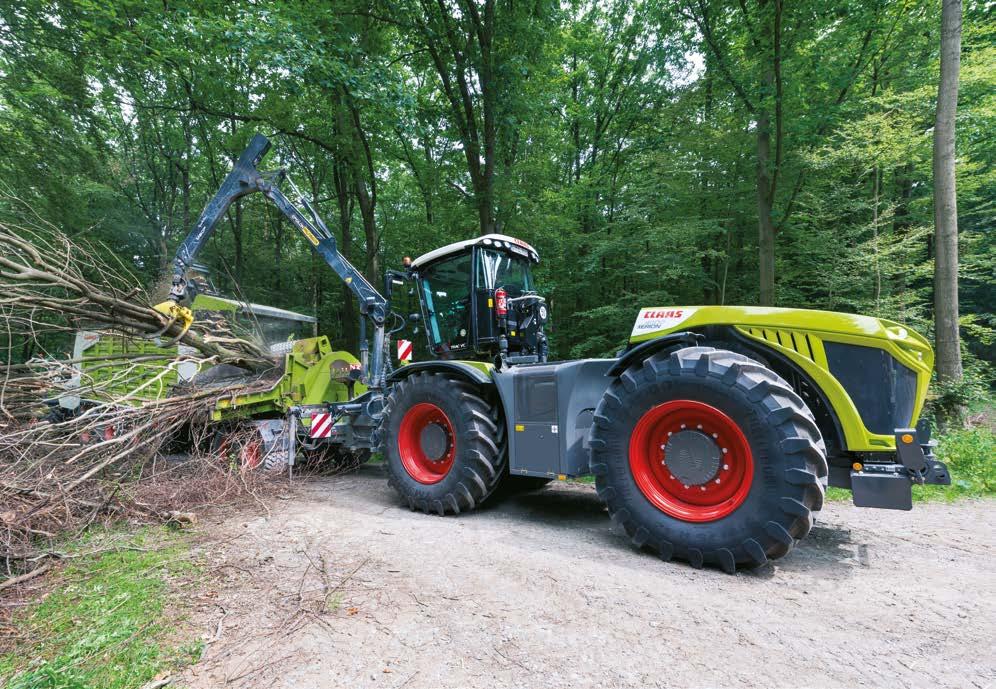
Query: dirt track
x=342, y=587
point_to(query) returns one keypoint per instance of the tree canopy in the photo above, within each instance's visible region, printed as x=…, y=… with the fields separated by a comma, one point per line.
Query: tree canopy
x=655, y=152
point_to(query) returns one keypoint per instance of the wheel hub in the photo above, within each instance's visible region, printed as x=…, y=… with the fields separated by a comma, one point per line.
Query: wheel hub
x=434, y=441
x=692, y=457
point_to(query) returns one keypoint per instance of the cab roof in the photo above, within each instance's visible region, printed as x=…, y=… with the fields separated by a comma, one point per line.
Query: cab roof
x=500, y=241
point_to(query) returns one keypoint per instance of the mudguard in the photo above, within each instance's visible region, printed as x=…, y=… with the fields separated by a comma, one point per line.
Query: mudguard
x=475, y=371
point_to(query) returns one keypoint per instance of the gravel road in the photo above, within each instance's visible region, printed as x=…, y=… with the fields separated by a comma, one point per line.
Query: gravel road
x=339, y=586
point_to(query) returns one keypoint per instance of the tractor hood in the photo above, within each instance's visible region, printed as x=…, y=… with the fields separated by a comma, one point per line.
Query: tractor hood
x=840, y=352
x=660, y=320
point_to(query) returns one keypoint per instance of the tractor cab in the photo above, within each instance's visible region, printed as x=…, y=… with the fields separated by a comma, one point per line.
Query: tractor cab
x=478, y=300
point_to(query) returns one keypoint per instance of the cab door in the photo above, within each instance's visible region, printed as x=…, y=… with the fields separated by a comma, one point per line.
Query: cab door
x=446, y=295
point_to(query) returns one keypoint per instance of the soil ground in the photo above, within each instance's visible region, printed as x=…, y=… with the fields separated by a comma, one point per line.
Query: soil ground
x=341, y=586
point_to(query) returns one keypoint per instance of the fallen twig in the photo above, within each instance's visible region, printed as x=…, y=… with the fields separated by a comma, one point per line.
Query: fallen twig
x=13, y=581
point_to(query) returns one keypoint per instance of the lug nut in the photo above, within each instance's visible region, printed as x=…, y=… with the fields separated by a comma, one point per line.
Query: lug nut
x=715, y=435
x=717, y=480
x=724, y=450
x=699, y=426
x=726, y=467
x=683, y=425
x=701, y=487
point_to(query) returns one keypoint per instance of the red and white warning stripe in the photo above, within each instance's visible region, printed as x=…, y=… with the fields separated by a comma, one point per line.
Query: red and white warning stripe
x=321, y=425
x=405, y=350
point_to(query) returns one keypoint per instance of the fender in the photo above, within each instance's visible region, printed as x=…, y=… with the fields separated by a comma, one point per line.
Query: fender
x=473, y=371
x=645, y=349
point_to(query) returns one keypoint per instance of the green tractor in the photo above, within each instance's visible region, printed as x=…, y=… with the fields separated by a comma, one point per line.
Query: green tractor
x=712, y=436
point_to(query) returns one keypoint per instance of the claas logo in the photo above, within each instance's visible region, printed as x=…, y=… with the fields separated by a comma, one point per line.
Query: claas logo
x=672, y=313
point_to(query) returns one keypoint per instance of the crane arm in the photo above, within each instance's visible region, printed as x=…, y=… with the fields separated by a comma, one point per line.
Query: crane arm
x=245, y=179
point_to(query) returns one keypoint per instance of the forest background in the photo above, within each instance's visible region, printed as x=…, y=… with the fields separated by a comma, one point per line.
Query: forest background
x=656, y=152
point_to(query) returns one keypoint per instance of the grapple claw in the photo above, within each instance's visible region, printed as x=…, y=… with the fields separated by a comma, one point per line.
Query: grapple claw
x=177, y=314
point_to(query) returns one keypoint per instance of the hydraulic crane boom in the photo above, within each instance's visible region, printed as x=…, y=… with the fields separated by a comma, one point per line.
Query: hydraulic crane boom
x=246, y=179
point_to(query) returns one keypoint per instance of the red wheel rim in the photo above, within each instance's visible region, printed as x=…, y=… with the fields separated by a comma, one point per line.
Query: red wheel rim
x=419, y=465
x=706, y=500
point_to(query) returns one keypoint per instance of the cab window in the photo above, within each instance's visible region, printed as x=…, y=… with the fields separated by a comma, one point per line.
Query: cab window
x=499, y=269
x=446, y=291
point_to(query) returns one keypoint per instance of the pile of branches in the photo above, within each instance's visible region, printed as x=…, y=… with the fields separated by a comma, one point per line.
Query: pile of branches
x=51, y=283
x=130, y=452
x=109, y=464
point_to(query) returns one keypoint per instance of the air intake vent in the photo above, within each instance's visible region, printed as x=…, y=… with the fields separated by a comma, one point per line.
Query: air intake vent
x=882, y=389
x=798, y=342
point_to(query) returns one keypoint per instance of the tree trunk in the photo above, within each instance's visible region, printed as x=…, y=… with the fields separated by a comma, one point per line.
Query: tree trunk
x=237, y=236
x=903, y=175
x=767, y=169
x=427, y=189
x=343, y=199
x=188, y=142
x=278, y=254
x=945, y=201
x=765, y=240
x=368, y=215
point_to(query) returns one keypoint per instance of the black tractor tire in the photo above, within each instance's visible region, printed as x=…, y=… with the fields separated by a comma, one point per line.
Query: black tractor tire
x=785, y=461
x=473, y=454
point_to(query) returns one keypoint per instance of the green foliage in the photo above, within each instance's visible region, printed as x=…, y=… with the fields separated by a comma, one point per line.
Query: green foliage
x=618, y=138
x=969, y=453
x=106, y=623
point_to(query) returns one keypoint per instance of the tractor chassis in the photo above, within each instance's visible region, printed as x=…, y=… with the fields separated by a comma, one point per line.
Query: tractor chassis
x=549, y=410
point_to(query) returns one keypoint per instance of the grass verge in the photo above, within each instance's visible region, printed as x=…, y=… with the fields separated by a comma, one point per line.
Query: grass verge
x=108, y=621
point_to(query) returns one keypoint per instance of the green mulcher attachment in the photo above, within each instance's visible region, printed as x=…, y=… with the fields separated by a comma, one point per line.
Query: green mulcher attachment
x=313, y=374
x=314, y=377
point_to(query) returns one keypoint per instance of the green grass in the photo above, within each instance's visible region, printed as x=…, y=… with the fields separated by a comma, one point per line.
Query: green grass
x=971, y=458
x=106, y=624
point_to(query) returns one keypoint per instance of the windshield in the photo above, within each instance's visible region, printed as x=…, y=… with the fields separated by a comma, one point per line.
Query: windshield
x=499, y=269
